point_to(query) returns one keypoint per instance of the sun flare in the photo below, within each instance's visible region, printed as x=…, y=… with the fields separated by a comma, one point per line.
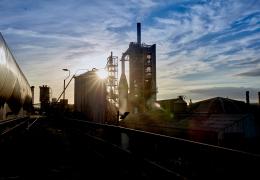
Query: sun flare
x=102, y=74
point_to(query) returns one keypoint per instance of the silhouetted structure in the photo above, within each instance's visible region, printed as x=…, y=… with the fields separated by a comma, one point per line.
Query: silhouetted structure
x=142, y=74
x=90, y=96
x=247, y=97
x=259, y=98
x=44, y=97
x=219, y=121
x=90, y=99
x=228, y=119
x=32, y=89
x=112, y=79
x=177, y=105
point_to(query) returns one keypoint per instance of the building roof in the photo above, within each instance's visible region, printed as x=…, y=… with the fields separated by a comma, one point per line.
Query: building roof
x=209, y=122
x=219, y=105
x=211, y=115
x=88, y=73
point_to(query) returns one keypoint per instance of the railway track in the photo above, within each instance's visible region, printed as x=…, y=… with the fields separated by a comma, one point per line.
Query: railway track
x=169, y=157
x=55, y=150
x=75, y=149
x=11, y=125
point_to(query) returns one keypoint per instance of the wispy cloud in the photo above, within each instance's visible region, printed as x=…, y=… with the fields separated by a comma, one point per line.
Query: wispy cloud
x=254, y=72
x=209, y=40
x=199, y=42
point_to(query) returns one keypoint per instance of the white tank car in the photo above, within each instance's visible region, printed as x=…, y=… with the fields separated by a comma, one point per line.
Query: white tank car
x=15, y=91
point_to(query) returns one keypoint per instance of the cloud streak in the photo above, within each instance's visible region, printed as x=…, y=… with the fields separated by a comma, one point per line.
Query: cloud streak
x=199, y=43
x=255, y=72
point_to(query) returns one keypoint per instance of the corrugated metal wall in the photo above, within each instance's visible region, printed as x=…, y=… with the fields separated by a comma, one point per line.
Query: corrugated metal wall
x=90, y=96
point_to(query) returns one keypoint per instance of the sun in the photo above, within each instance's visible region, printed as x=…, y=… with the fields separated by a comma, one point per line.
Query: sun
x=102, y=74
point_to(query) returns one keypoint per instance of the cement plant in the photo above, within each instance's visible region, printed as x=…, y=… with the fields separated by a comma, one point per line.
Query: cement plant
x=118, y=128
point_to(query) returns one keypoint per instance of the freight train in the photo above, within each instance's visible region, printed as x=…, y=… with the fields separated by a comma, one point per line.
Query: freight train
x=15, y=91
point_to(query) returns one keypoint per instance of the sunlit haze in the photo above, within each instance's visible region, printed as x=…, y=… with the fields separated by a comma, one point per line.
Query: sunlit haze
x=102, y=73
x=204, y=48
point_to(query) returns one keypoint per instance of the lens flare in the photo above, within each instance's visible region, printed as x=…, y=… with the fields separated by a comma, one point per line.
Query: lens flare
x=102, y=74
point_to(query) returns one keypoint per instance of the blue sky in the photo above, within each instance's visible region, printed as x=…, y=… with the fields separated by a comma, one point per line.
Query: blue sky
x=204, y=48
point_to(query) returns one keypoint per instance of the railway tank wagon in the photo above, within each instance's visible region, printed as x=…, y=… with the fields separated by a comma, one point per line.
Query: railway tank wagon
x=15, y=91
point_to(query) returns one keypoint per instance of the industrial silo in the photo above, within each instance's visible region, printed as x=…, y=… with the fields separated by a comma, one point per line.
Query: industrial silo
x=44, y=97
x=90, y=96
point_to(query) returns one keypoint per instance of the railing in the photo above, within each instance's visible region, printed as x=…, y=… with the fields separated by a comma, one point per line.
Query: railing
x=183, y=158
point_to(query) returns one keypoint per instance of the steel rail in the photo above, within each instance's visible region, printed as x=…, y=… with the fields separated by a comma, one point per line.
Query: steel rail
x=10, y=125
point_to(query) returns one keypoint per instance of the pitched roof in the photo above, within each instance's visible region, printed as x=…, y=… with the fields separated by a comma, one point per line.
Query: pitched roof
x=219, y=105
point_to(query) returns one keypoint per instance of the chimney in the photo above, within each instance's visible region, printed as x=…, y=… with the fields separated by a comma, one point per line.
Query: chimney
x=139, y=33
x=259, y=98
x=32, y=89
x=247, y=97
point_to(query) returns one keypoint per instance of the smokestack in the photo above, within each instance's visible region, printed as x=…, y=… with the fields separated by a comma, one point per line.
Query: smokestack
x=32, y=89
x=247, y=97
x=139, y=33
x=259, y=98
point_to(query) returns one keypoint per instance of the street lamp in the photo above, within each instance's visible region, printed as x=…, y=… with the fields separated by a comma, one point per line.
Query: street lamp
x=65, y=87
x=64, y=82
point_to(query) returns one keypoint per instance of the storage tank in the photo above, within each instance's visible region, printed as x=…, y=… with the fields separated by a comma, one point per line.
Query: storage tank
x=90, y=96
x=15, y=91
x=44, y=97
x=44, y=94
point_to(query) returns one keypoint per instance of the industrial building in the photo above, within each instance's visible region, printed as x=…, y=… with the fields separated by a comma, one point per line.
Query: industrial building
x=218, y=121
x=100, y=99
x=44, y=97
x=142, y=75
x=177, y=105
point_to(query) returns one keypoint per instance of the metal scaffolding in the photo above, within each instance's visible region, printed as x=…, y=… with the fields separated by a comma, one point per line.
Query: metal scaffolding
x=112, y=80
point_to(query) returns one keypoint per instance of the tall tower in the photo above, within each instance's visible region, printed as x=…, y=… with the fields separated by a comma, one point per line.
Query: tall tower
x=44, y=97
x=142, y=74
x=112, y=80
